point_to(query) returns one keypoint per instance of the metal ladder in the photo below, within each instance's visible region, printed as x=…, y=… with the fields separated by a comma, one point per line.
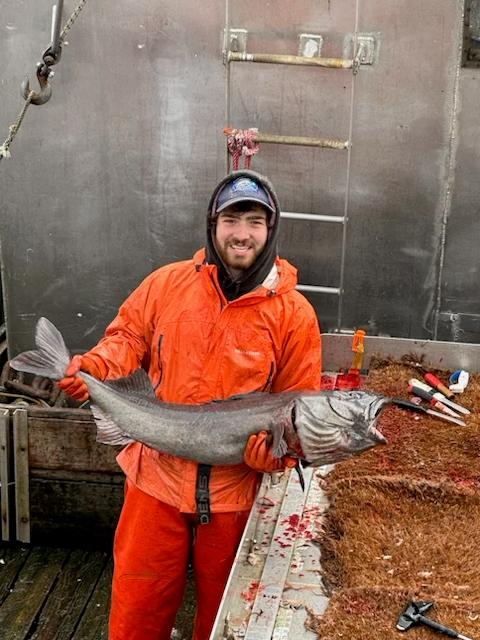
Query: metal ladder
x=364, y=49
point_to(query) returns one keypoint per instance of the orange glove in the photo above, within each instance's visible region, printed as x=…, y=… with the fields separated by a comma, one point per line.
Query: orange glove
x=258, y=455
x=74, y=385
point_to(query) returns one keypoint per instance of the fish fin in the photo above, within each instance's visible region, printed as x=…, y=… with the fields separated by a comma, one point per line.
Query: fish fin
x=279, y=445
x=137, y=385
x=51, y=357
x=107, y=431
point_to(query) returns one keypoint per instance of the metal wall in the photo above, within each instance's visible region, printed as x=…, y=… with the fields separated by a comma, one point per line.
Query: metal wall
x=111, y=178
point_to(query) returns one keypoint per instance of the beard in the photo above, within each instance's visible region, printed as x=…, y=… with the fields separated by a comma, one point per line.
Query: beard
x=238, y=256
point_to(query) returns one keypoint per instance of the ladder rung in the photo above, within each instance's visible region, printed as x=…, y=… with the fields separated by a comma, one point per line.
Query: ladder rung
x=313, y=289
x=329, y=143
x=271, y=58
x=312, y=216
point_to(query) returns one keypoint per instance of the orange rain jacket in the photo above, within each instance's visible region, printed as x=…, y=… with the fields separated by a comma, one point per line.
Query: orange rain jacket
x=197, y=347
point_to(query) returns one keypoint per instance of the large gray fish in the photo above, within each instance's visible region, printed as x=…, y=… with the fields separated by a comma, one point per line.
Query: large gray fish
x=320, y=427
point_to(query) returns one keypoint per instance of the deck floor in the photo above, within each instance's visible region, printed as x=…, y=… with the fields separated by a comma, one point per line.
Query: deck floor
x=54, y=593
x=51, y=593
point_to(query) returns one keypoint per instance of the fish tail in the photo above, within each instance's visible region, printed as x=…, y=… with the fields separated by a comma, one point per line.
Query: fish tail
x=50, y=358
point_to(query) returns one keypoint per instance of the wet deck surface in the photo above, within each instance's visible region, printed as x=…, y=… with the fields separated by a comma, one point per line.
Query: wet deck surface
x=54, y=593
x=51, y=593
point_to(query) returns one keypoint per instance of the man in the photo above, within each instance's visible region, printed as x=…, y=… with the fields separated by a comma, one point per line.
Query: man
x=227, y=322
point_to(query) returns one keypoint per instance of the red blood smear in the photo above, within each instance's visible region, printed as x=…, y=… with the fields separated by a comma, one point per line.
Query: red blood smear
x=293, y=521
x=251, y=593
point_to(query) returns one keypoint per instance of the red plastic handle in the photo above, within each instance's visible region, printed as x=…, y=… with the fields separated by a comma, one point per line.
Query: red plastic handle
x=438, y=384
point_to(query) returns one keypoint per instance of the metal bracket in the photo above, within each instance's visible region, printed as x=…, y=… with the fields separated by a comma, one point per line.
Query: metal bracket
x=236, y=41
x=310, y=45
x=366, y=49
x=358, y=49
x=363, y=49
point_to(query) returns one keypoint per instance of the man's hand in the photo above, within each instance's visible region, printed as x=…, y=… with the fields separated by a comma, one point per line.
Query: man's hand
x=258, y=455
x=74, y=385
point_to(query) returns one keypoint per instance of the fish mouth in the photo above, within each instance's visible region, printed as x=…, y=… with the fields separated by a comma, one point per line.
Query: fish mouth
x=374, y=412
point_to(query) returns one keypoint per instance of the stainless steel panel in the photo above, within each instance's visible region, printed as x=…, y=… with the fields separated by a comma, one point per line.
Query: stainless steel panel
x=459, y=327
x=400, y=159
x=315, y=248
x=461, y=274
x=276, y=25
x=306, y=179
x=111, y=178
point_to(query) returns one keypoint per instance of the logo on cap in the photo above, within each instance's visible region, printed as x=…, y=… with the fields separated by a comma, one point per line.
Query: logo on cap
x=242, y=189
x=245, y=186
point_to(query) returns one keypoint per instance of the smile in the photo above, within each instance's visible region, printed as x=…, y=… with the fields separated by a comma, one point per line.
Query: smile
x=240, y=248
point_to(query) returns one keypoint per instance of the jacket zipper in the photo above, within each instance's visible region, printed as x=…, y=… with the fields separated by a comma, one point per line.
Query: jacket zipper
x=159, y=358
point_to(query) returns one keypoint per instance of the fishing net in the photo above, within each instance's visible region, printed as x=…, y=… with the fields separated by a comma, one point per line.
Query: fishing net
x=404, y=522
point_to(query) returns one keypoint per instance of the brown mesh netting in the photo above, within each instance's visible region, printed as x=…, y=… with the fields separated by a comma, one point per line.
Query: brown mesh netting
x=404, y=522
x=371, y=614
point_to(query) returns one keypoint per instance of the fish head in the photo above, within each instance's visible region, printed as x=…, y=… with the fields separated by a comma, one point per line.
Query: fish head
x=335, y=425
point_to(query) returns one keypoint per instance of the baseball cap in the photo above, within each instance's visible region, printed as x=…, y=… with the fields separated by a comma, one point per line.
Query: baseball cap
x=243, y=189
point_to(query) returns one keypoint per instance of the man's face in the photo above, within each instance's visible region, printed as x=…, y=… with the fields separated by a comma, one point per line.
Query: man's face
x=241, y=236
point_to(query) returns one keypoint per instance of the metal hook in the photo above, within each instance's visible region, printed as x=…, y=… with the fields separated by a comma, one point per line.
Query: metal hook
x=44, y=95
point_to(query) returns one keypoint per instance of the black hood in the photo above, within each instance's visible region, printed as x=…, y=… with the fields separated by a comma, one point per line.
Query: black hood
x=256, y=274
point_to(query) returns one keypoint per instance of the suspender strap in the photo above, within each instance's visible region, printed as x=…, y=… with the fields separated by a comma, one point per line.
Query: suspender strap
x=203, y=494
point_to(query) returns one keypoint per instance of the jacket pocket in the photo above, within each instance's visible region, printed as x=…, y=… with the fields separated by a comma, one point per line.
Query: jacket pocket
x=247, y=361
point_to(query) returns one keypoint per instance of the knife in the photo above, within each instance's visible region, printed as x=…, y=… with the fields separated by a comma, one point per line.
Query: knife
x=434, y=403
x=437, y=384
x=438, y=396
x=418, y=407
